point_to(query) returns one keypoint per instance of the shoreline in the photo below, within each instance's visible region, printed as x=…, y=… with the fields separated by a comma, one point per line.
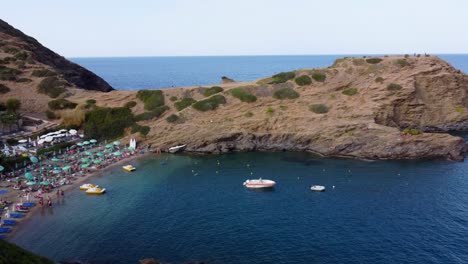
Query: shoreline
x=65, y=188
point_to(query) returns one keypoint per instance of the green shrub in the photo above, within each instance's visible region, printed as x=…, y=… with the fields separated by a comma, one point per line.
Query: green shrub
x=212, y=90
x=350, y=91
x=282, y=77
x=107, y=123
x=359, y=62
x=4, y=89
x=373, y=60
x=90, y=101
x=144, y=130
x=286, y=93
x=303, y=80
x=402, y=62
x=406, y=56
x=460, y=109
x=3, y=107
x=8, y=74
x=412, y=131
x=152, y=99
x=319, y=108
x=52, y=86
x=394, y=87
x=60, y=104
x=50, y=115
x=270, y=110
x=184, y=103
x=243, y=95
x=11, y=50
x=379, y=79
x=210, y=103
x=157, y=112
x=23, y=80
x=173, y=98
x=11, y=253
x=319, y=77
x=21, y=55
x=130, y=104
x=172, y=118
x=248, y=114
x=43, y=73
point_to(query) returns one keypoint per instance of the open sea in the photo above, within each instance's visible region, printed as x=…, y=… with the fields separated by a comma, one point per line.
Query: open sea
x=195, y=208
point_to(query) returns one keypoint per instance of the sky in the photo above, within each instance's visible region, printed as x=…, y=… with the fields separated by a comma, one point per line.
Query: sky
x=122, y=28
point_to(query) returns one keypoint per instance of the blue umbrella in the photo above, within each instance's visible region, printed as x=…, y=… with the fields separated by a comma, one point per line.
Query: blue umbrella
x=33, y=159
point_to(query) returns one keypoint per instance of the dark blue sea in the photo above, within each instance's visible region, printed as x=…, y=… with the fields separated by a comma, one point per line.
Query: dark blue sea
x=195, y=208
x=162, y=72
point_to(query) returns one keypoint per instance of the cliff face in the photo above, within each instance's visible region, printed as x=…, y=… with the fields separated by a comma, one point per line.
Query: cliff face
x=13, y=42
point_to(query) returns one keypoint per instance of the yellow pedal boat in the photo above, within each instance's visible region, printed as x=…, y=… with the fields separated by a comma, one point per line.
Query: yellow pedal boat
x=87, y=186
x=129, y=168
x=96, y=190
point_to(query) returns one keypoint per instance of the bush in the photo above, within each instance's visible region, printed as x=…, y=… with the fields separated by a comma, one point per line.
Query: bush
x=52, y=86
x=379, y=80
x=152, y=99
x=319, y=77
x=412, y=131
x=8, y=74
x=459, y=109
x=210, y=103
x=4, y=89
x=173, y=98
x=212, y=90
x=172, y=118
x=373, y=60
x=43, y=73
x=130, y=104
x=394, y=87
x=23, y=80
x=243, y=95
x=3, y=107
x=144, y=130
x=402, y=62
x=350, y=91
x=359, y=62
x=286, y=93
x=184, y=103
x=319, y=108
x=107, y=123
x=248, y=114
x=406, y=56
x=157, y=112
x=282, y=77
x=11, y=50
x=303, y=80
x=90, y=101
x=60, y=104
x=12, y=253
x=21, y=55
x=269, y=110
x=50, y=115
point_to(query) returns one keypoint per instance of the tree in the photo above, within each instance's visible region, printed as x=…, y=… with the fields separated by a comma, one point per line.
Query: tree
x=13, y=105
x=8, y=119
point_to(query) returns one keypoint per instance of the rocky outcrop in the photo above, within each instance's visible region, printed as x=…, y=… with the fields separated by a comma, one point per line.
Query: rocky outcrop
x=225, y=80
x=71, y=72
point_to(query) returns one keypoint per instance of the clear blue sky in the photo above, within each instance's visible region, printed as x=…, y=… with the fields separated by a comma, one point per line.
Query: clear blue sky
x=90, y=28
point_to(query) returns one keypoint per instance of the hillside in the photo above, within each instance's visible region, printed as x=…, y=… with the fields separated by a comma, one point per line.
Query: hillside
x=12, y=254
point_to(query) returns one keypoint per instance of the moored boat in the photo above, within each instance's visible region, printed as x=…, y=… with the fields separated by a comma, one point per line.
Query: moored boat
x=177, y=148
x=87, y=186
x=317, y=188
x=128, y=168
x=259, y=183
x=96, y=190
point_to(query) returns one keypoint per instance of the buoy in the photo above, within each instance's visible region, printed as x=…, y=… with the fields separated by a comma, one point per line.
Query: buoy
x=333, y=186
x=216, y=172
x=248, y=165
x=251, y=173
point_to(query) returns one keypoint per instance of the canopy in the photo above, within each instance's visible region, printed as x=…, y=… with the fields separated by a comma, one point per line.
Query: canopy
x=86, y=143
x=73, y=132
x=116, y=143
x=54, y=159
x=30, y=183
x=85, y=160
x=108, y=146
x=22, y=141
x=45, y=183
x=1, y=168
x=66, y=168
x=40, y=141
x=97, y=161
x=99, y=154
x=93, y=141
x=85, y=165
x=33, y=159
x=131, y=148
x=89, y=153
x=63, y=130
x=79, y=144
x=43, y=136
x=49, y=139
x=29, y=176
x=117, y=153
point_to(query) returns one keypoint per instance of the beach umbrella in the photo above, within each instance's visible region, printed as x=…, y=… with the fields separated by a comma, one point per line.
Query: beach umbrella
x=88, y=153
x=24, y=163
x=93, y=141
x=22, y=141
x=13, y=173
x=49, y=139
x=16, y=165
x=79, y=144
x=116, y=143
x=30, y=183
x=54, y=159
x=45, y=183
x=100, y=154
x=86, y=143
x=97, y=161
x=1, y=168
x=66, y=168
x=33, y=159
x=108, y=146
x=85, y=160
x=29, y=176
x=85, y=165
x=117, y=153
x=131, y=148
x=73, y=132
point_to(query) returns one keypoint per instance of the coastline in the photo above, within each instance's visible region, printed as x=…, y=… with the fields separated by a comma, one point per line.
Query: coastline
x=65, y=188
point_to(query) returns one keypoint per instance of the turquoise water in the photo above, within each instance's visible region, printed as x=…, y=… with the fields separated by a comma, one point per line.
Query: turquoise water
x=163, y=72
x=379, y=212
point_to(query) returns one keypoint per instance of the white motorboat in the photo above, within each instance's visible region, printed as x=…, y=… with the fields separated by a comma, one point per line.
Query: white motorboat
x=259, y=183
x=176, y=148
x=317, y=188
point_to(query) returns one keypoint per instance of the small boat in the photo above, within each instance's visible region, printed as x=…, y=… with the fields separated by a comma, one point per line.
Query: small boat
x=317, y=188
x=259, y=183
x=176, y=148
x=129, y=168
x=96, y=190
x=87, y=186
x=19, y=210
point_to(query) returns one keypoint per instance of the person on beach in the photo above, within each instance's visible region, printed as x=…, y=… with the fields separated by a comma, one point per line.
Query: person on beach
x=63, y=193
